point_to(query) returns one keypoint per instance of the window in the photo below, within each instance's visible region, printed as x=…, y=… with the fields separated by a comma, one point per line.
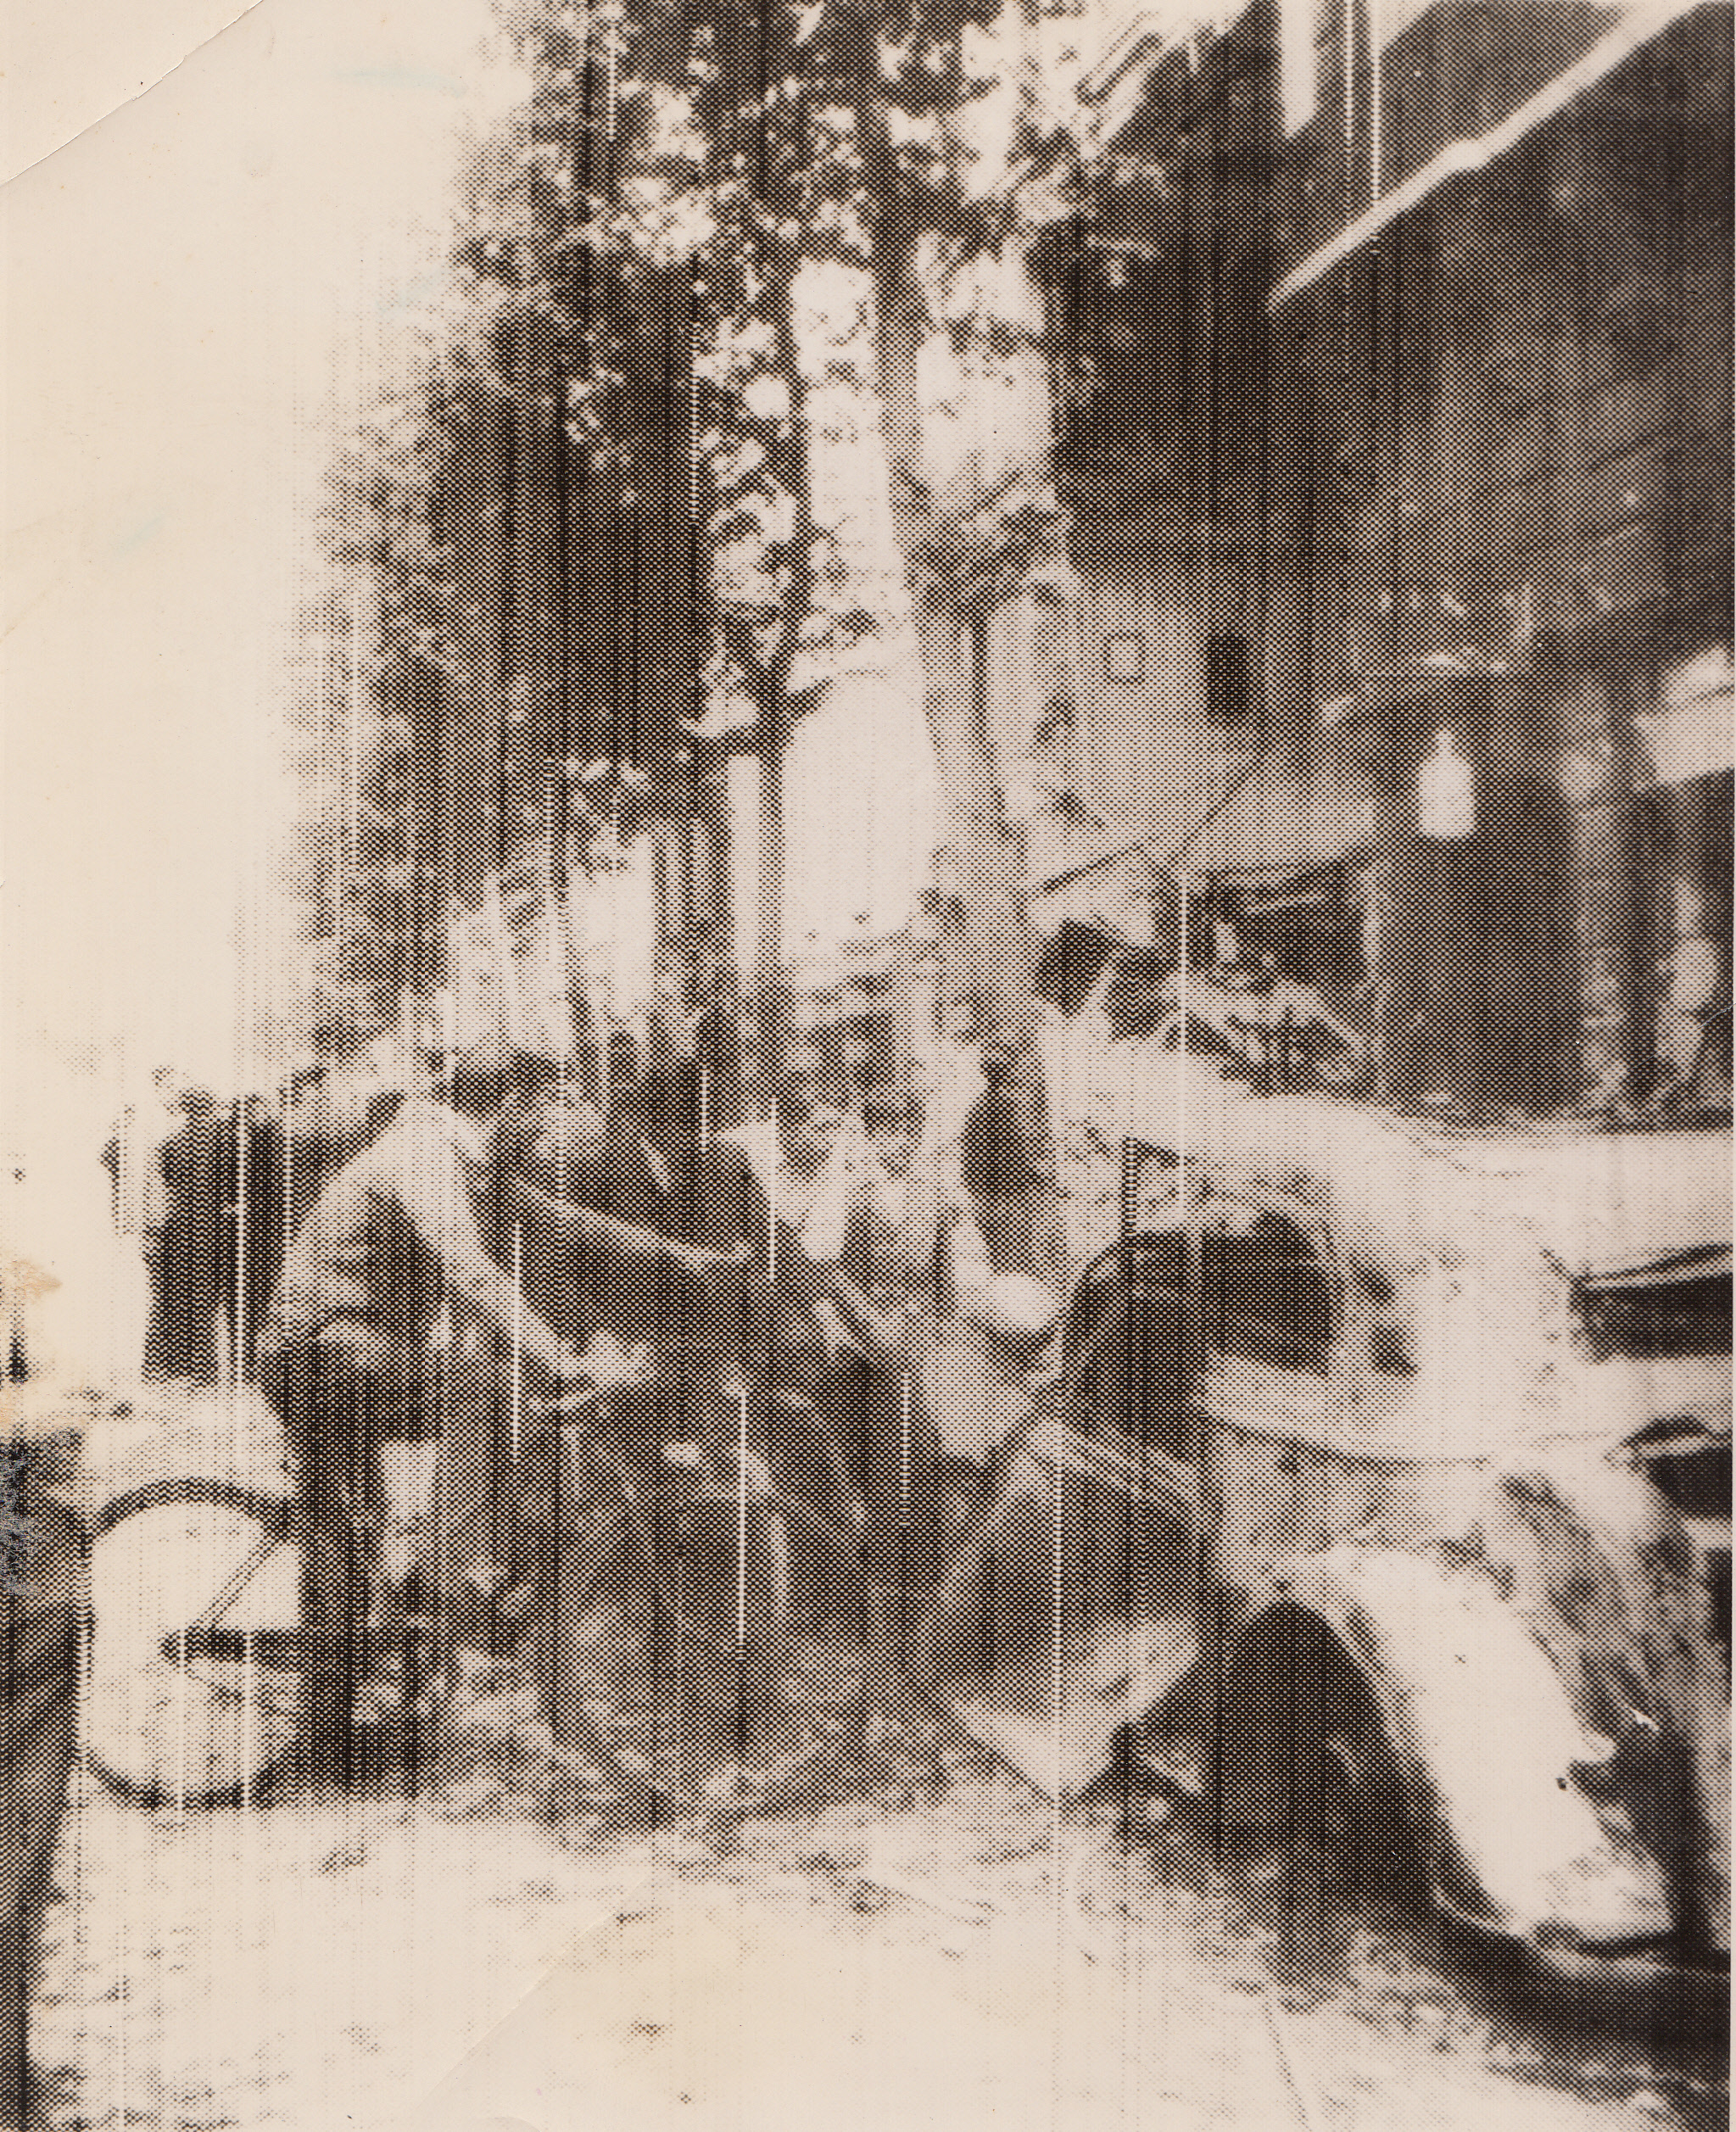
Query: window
x=1265, y=1294
x=1661, y=1312
x=1229, y=679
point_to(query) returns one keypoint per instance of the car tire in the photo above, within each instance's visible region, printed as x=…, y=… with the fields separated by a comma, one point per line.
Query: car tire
x=1312, y=1821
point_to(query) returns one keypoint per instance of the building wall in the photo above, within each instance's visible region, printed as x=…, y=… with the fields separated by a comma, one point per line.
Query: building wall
x=1104, y=699
x=1509, y=412
x=1427, y=341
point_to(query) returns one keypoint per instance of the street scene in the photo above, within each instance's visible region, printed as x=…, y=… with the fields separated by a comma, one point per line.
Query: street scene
x=865, y=1241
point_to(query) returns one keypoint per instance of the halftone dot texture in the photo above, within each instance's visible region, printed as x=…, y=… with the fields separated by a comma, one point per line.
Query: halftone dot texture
x=1364, y=531
x=39, y=1656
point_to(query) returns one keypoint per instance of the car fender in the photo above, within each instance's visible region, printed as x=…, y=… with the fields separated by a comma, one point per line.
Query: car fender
x=1486, y=1739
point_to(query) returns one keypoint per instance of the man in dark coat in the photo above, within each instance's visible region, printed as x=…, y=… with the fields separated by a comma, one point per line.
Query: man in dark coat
x=1007, y=1162
x=254, y=1217
x=833, y=1370
x=182, y=1340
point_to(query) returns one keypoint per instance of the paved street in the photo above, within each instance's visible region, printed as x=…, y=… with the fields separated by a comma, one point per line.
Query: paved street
x=944, y=1957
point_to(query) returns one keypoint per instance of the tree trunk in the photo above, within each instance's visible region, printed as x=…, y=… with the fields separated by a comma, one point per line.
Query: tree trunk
x=956, y=552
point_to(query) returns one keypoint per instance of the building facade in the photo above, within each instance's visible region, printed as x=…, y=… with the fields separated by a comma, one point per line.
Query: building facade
x=1395, y=372
x=1501, y=354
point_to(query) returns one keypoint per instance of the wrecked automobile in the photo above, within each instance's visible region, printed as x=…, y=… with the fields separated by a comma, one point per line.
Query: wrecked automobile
x=1378, y=1502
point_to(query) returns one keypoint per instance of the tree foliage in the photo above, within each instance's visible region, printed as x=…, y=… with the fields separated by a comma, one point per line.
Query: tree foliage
x=627, y=277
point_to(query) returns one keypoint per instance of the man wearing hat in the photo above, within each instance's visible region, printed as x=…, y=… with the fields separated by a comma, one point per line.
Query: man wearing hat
x=399, y=1316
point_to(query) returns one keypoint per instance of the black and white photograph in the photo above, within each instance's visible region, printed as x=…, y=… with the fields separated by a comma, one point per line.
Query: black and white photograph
x=865, y=1065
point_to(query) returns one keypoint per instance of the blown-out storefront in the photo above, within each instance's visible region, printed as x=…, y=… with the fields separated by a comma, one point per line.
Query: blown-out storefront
x=1504, y=365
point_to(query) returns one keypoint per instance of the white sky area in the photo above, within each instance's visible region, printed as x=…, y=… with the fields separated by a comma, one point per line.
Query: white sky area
x=239, y=243
x=190, y=282
x=204, y=262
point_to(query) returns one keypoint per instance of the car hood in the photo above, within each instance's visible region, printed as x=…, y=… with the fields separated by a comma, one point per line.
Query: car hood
x=1594, y=1204
x=1618, y=1203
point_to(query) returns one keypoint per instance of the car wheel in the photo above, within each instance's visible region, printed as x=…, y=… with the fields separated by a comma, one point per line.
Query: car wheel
x=1312, y=1819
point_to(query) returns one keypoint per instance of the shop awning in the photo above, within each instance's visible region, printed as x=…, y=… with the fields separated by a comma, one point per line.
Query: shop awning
x=1639, y=25
x=1278, y=822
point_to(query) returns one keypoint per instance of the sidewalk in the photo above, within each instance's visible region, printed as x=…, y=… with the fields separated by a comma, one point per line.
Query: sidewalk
x=459, y=1964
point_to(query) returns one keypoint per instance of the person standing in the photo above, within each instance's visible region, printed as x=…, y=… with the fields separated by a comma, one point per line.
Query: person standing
x=780, y=1200
x=378, y=1354
x=899, y=1247
x=138, y=1194
x=864, y=1215
x=809, y=1167
x=1006, y=1160
x=786, y=1356
x=120, y=1160
x=607, y=1161
x=305, y=1142
x=253, y=1225
x=181, y=1339
x=1693, y=997
x=895, y=1236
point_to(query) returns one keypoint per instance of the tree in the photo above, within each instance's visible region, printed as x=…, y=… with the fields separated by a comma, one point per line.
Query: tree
x=974, y=501
x=712, y=164
x=525, y=555
x=362, y=724
x=622, y=400
x=889, y=185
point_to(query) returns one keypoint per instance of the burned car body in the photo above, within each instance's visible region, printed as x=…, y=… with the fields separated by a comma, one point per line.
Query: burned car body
x=1395, y=1472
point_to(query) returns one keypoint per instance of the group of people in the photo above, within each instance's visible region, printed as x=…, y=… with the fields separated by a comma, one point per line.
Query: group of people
x=383, y=1251
x=465, y=1256
x=212, y=1188
x=416, y=1258
x=199, y=1182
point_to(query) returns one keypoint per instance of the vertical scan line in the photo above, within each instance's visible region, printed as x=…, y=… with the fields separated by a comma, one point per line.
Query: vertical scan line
x=1057, y=1670
x=1376, y=117
x=904, y=1457
x=249, y=1718
x=909, y=1554
x=616, y=869
x=554, y=917
x=563, y=1144
x=123, y=1986
x=1182, y=1008
x=86, y=1664
x=768, y=1134
x=455, y=1188
x=354, y=766
x=517, y=1333
x=239, y=1324
x=78, y=1922
x=181, y=1679
x=1128, y=1566
x=741, y=1527
x=697, y=291
x=1298, y=2075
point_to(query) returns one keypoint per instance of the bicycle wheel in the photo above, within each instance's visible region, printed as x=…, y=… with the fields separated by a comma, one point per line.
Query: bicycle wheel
x=677, y=1669
x=193, y=1688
